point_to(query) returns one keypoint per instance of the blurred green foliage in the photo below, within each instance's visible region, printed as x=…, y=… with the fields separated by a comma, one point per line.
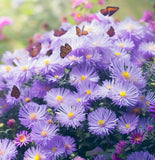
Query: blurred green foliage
x=29, y=16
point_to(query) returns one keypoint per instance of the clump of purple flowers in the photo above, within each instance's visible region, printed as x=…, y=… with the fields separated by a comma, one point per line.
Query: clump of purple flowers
x=80, y=88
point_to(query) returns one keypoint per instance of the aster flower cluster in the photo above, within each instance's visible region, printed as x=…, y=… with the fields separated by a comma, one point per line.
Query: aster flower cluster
x=79, y=92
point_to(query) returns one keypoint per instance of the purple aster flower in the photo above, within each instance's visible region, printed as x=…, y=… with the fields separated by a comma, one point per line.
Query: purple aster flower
x=126, y=44
x=124, y=94
x=78, y=158
x=105, y=88
x=56, y=147
x=56, y=75
x=71, y=115
x=120, y=146
x=37, y=153
x=23, y=138
x=152, y=110
x=58, y=96
x=31, y=113
x=5, y=107
x=149, y=99
x=70, y=145
x=101, y=121
x=147, y=16
x=140, y=155
x=42, y=132
x=7, y=149
x=88, y=90
x=130, y=28
x=39, y=89
x=147, y=48
x=83, y=74
x=99, y=157
x=127, y=123
x=127, y=71
x=137, y=136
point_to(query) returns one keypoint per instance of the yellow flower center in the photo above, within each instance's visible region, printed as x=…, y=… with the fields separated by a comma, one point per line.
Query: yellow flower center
x=47, y=62
x=88, y=56
x=79, y=15
x=71, y=115
x=147, y=103
x=89, y=29
x=152, y=48
x=137, y=138
x=127, y=125
x=33, y=116
x=142, y=98
x=8, y=68
x=67, y=147
x=109, y=87
x=88, y=92
x=44, y=134
x=101, y=123
x=27, y=99
x=54, y=149
x=25, y=68
x=47, y=88
x=1, y=153
x=79, y=99
x=83, y=77
x=22, y=138
x=73, y=58
x=123, y=94
x=121, y=45
x=117, y=54
x=19, y=58
x=60, y=99
x=126, y=75
x=37, y=157
x=95, y=43
x=56, y=76
x=4, y=105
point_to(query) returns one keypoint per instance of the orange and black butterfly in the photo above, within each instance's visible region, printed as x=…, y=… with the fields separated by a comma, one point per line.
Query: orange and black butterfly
x=81, y=32
x=49, y=52
x=111, y=32
x=59, y=33
x=109, y=11
x=15, y=92
x=64, y=50
x=35, y=49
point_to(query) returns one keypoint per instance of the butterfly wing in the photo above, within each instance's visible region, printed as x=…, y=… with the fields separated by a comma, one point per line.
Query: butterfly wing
x=64, y=50
x=34, y=51
x=104, y=12
x=49, y=52
x=111, y=32
x=112, y=10
x=15, y=92
x=59, y=33
x=78, y=31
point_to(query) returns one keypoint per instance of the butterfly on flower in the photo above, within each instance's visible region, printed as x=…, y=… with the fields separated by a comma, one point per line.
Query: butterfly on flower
x=35, y=49
x=111, y=32
x=109, y=11
x=15, y=92
x=59, y=33
x=65, y=50
x=49, y=52
x=81, y=32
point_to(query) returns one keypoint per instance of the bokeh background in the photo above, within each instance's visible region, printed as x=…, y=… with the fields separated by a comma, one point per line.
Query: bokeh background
x=29, y=16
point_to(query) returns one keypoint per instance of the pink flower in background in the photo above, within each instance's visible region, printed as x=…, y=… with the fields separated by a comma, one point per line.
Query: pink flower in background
x=101, y=2
x=77, y=16
x=37, y=36
x=78, y=2
x=89, y=5
x=147, y=16
x=5, y=21
x=152, y=25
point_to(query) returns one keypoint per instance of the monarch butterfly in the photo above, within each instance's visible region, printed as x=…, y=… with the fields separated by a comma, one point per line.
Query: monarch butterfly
x=34, y=51
x=109, y=11
x=80, y=32
x=15, y=92
x=64, y=50
x=111, y=32
x=59, y=33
